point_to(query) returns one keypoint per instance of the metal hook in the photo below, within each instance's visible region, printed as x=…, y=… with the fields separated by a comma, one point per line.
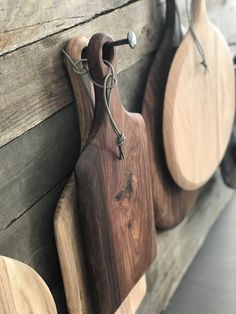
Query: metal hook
x=130, y=40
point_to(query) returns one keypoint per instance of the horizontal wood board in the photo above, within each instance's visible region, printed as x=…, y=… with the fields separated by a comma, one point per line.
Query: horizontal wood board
x=24, y=22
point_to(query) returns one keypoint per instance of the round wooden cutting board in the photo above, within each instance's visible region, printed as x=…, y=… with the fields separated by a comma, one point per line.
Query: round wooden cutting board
x=22, y=290
x=199, y=105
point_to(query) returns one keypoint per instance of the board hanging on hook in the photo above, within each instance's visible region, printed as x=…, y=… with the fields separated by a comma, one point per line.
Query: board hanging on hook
x=199, y=106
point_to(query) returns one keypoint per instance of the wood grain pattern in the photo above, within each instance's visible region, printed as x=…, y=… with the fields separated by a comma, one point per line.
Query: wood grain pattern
x=171, y=203
x=228, y=165
x=38, y=87
x=199, y=107
x=34, y=163
x=22, y=290
x=66, y=224
x=117, y=218
x=28, y=21
x=36, y=21
x=70, y=250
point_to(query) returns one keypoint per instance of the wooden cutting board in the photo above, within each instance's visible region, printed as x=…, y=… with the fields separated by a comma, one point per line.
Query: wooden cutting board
x=22, y=290
x=115, y=199
x=199, y=105
x=66, y=224
x=228, y=165
x=171, y=203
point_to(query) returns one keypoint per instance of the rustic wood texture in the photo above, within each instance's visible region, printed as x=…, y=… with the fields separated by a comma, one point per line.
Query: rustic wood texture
x=36, y=21
x=37, y=87
x=116, y=219
x=66, y=224
x=178, y=247
x=34, y=163
x=228, y=165
x=29, y=21
x=171, y=203
x=199, y=107
x=22, y=290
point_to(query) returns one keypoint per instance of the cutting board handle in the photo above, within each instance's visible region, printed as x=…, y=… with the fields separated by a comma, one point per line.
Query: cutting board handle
x=98, y=50
x=199, y=11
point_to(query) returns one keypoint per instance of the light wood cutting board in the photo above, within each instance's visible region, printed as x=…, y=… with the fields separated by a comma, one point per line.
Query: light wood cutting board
x=171, y=203
x=115, y=199
x=66, y=223
x=22, y=290
x=199, y=106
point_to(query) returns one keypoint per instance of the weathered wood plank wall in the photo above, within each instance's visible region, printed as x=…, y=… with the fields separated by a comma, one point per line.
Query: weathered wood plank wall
x=39, y=141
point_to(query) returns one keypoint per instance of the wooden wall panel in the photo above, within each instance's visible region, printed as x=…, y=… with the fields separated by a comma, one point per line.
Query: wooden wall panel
x=24, y=22
x=35, y=162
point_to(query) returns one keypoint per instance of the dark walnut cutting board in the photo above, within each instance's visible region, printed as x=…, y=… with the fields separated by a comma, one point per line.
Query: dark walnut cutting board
x=199, y=103
x=66, y=223
x=115, y=196
x=171, y=203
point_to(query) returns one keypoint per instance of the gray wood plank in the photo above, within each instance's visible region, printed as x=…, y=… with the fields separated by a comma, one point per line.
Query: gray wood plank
x=33, y=82
x=35, y=162
x=24, y=22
